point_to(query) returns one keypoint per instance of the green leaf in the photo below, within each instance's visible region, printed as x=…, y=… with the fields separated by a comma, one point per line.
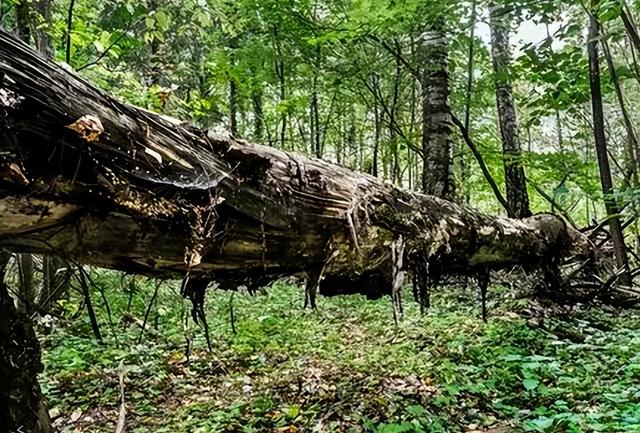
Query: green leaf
x=162, y=19
x=293, y=411
x=405, y=427
x=609, y=10
x=541, y=424
x=530, y=383
x=98, y=45
x=416, y=410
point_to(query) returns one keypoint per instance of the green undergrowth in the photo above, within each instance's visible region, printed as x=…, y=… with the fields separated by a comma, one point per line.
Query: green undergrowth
x=345, y=368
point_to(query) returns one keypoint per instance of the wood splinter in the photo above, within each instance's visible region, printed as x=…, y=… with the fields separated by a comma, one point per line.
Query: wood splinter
x=397, y=278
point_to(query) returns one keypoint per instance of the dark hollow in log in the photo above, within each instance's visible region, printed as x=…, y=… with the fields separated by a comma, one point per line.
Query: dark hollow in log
x=87, y=177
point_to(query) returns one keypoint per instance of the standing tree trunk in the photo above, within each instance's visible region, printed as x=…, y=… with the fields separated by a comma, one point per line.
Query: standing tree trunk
x=23, y=20
x=233, y=107
x=67, y=55
x=393, y=116
x=633, y=148
x=437, y=130
x=316, y=131
x=26, y=292
x=611, y=206
x=55, y=282
x=280, y=73
x=44, y=29
x=258, y=115
x=377, y=128
x=464, y=166
x=413, y=104
x=515, y=180
x=350, y=135
x=313, y=119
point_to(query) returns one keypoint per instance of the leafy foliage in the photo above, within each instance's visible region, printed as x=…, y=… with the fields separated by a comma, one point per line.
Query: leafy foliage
x=184, y=57
x=345, y=368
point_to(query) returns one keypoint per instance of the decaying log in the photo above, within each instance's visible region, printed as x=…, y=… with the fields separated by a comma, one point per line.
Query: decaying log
x=87, y=177
x=21, y=405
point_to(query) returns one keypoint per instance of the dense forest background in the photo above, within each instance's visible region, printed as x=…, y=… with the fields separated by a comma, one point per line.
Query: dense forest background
x=342, y=80
x=491, y=104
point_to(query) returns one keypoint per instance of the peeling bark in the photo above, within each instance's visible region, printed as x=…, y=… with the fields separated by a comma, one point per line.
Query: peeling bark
x=21, y=404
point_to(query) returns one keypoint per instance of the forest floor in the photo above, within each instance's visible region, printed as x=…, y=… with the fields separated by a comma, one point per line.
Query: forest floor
x=345, y=368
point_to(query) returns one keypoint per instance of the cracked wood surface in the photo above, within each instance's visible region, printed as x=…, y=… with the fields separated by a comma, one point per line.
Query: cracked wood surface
x=93, y=179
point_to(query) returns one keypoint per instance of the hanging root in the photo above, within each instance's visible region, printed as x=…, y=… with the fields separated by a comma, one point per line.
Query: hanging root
x=194, y=288
x=232, y=316
x=397, y=278
x=420, y=278
x=483, y=277
x=314, y=276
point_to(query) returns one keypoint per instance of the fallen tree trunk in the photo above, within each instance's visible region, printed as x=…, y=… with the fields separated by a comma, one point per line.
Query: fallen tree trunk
x=95, y=180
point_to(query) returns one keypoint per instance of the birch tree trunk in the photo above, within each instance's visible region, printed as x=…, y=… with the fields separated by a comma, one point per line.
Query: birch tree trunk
x=437, y=128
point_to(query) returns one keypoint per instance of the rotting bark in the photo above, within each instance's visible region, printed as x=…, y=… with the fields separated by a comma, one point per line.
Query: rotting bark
x=104, y=183
x=26, y=294
x=21, y=404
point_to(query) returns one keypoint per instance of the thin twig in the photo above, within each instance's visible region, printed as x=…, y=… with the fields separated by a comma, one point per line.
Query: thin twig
x=232, y=316
x=148, y=310
x=80, y=276
x=122, y=416
x=554, y=203
x=483, y=166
